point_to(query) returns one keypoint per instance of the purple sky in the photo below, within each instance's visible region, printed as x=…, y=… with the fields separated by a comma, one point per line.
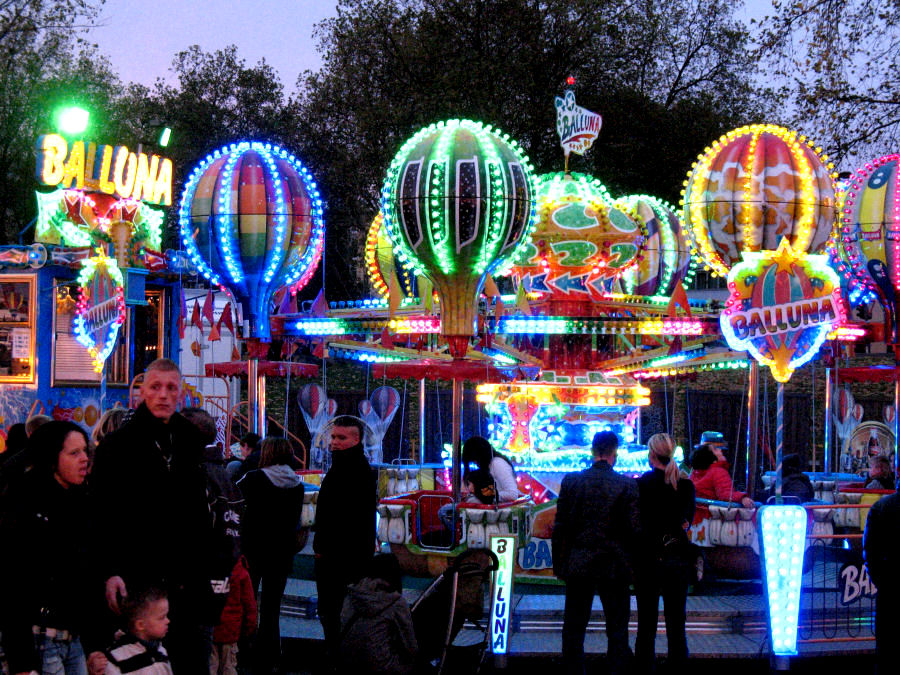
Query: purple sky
x=141, y=38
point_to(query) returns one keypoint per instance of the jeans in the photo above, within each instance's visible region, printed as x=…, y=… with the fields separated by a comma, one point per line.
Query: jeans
x=669, y=580
x=60, y=657
x=267, y=652
x=616, y=600
x=223, y=660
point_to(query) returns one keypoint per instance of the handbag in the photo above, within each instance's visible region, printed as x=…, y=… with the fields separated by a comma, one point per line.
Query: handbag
x=679, y=550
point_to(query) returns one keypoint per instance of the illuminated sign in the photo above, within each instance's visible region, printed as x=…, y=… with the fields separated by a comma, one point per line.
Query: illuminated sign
x=577, y=127
x=100, y=310
x=504, y=547
x=104, y=168
x=781, y=308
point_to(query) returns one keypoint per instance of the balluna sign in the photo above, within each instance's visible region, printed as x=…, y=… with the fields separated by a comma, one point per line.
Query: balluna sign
x=107, y=169
x=781, y=307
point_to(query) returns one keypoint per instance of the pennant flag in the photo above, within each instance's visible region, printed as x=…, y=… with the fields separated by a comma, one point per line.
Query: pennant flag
x=675, y=347
x=319, y=350
x=679, y=298
x=235, y=354
x=490, y=287
x=386, y=340
x=319, y=306
x=182, y=315
x=522, y=301
x=208, y=307
x=425, y=294
x=395, y=295
x=214, y=335
x=195, y=315
x=226, y=318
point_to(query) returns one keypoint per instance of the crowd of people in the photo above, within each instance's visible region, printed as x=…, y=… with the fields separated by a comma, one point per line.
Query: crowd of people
x=133, y=551
x=141, y=549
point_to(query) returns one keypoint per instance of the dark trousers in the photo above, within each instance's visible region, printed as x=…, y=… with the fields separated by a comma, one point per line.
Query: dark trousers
x=670, y=583
x=331, y=587
x=267, y=652
x=616, y=600
x=887, y=625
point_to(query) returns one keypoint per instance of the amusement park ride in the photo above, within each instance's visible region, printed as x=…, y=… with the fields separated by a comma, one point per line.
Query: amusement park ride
x=598, y=308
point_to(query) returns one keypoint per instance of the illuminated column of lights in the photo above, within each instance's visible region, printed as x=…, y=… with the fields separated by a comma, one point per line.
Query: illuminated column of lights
x=321, y=327
x=438, y=213
x=403, y=252
x=301, y=272
x=225, y=224
x=783, y=533
x=657, y=362
x=496, y=200
x=185, y=225
x=276, y=252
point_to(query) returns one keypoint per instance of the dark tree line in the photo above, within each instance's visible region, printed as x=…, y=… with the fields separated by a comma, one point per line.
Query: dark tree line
x=668, y=77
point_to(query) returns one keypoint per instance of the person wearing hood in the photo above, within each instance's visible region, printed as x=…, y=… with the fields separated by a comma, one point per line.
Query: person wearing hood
x=344, y=540
x=377, y=633
x=273, y=500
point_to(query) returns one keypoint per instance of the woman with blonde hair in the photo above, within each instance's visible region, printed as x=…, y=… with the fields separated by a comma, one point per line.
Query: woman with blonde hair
x=664, y=565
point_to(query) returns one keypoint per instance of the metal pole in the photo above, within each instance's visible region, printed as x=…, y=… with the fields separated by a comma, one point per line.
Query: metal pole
x=456, y=470
x=752, y=428
x=256, y=398
x=828, y=422
x=422, y=421
x=779, y=442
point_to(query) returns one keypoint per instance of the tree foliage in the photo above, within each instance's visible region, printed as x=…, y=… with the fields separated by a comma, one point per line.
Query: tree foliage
x=840, y=63
x=44, y=63
x=668, y=77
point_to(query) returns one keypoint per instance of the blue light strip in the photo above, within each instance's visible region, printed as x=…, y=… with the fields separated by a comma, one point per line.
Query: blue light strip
x=224, y=219
x=783, y=533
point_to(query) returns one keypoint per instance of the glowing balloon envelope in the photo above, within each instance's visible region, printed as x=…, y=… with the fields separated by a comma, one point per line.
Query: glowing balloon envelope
x=458, y=203
x=581, y=242
x=869, y=234
x=666, y=258
x=251, y=221
x=381, y=263
x=752, y=187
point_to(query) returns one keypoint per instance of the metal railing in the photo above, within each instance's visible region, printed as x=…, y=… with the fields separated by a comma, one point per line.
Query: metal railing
x=836, y=602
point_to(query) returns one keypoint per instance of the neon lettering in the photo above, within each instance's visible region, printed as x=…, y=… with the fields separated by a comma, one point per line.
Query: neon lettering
x=104, y=168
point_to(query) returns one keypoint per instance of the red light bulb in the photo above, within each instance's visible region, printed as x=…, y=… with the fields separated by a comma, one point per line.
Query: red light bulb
x=570, y=80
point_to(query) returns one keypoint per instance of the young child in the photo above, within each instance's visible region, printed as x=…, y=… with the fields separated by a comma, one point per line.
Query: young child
x=238, y=621
x=377, y=633
x=140, y=651
x=480, y=487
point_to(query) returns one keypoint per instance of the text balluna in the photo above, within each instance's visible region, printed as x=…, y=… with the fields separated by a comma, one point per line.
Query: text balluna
x=760, y=322
x=104, y=168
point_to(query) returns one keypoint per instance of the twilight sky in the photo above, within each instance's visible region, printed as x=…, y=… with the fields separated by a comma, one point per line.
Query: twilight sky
x=141, y=37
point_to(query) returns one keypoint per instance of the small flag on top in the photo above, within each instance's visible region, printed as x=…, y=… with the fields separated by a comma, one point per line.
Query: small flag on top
x=209, y=305
x=182, y=315
x=319, y=306
x=226, y=318
x=522, y=301
x=195, y=315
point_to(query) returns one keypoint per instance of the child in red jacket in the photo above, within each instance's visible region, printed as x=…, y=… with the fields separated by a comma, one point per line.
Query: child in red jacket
x=238, y=620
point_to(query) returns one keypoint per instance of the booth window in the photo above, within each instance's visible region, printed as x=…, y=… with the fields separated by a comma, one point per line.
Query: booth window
x=17, y=314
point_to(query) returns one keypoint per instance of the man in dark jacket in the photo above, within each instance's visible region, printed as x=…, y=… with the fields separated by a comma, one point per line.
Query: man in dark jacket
x=153, y=519
x=596, y=526
x=345, y=525
x=881, y=548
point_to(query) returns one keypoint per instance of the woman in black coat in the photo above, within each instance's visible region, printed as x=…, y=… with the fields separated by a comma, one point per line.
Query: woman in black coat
x=664, y=564
x=49, y=593
x=273, y=500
